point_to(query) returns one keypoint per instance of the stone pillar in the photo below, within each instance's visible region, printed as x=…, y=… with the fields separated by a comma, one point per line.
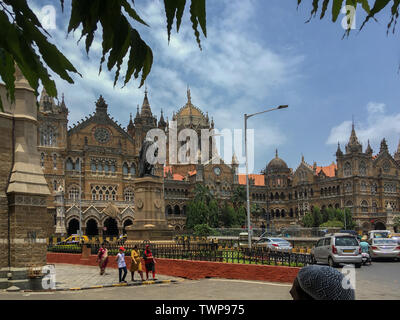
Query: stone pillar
x=150, y=222
x=25, y=224
x=60, y=213
x=390, y=215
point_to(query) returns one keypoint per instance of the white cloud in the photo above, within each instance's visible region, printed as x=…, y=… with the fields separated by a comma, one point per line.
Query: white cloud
x=377, y=125
x=374, y=107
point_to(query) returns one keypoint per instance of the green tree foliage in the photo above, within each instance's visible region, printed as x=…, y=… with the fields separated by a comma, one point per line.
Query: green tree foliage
x=228, y=216
x=24, y=41
x=238, y=197
x=332, y=224
x=323, y=6
x=317, y=217
x=256, y=212
x=308, y=220
x=203, y=230
x=329, y=217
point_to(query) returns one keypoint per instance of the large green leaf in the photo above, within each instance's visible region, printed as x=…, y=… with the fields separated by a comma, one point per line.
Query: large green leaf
x=174, y=8
x=198, y=16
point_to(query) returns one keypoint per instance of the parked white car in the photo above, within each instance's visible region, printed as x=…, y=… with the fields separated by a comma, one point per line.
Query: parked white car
x=384, y=248
x=337, y=248
x=275, y=244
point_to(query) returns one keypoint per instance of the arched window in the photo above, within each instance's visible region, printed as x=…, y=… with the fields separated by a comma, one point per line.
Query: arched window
x=364, y=206
x=47, y=136
x=93, y=166
x=78, y=164
x=362, y=168
x=54, y=161
x=113, y=169
x=106, y=168
x=347, y=169
x=73, y=193
x=133, y=170
x=374, y=207
x=55, y=185
x=69, y=165
x=128, y=195
x=100, y=167
x=125, y=169
x=363, y=186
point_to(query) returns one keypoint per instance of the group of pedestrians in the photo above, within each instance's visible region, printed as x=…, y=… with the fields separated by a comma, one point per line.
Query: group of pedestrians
x=136, y=264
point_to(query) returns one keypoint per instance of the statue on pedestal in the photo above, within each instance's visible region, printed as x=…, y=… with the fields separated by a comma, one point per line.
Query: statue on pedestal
x=145, y=167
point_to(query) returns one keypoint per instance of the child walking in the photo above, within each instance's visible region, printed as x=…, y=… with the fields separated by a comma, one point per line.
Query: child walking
x=121, y=264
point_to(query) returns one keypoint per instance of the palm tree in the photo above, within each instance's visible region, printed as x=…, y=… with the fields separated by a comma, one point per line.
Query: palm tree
x=238, y=198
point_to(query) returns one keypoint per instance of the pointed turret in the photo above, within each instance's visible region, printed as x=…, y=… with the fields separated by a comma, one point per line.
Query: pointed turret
x=369, y=149
x=146, y=109
x=101, y=106
x=161, y=123
x=63, y=107
x=384, y=146
x=131, y=126
x=234, y=159
x=353, y=146
x=397, y=154
x=339, y=152
x=46, y=102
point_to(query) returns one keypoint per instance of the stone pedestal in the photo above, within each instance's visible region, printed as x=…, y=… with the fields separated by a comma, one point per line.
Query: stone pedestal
x=24, y=219
x=150, y=222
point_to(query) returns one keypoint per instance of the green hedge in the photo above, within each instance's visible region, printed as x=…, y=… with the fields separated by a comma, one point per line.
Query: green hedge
x=66, y=248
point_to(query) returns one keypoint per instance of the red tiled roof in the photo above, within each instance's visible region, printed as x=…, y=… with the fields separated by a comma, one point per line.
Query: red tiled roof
x=258, y=179
x=329, y=170
x=192, y=173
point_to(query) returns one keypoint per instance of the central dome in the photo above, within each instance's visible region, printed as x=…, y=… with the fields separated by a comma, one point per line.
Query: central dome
x=190, y=115
x=276, y=165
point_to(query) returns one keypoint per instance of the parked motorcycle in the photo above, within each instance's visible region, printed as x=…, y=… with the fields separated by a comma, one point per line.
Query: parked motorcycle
x=366, y=258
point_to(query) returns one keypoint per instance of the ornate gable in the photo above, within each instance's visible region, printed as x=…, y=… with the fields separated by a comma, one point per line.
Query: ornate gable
x=100, y=119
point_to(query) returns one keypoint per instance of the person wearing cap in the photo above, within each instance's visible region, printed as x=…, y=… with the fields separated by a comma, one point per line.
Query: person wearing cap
x=320, y=283
x=149, y=262
x=121, y=264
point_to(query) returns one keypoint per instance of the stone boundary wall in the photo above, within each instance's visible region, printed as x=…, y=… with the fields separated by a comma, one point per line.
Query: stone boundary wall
x=193, y=269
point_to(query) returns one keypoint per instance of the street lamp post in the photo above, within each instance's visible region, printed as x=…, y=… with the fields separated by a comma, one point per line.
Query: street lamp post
x=247, y=116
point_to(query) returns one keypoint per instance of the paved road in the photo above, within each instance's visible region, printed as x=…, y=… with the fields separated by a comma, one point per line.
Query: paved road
x=378, y=281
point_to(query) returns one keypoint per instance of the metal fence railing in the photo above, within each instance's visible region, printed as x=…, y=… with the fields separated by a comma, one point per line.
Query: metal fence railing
x=204, y=252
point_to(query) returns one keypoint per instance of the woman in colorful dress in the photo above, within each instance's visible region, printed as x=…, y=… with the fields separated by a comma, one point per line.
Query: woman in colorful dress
x=149, y=262
x=102, y=258
x=136, y=264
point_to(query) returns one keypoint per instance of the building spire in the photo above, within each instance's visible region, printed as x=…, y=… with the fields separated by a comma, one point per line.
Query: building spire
x=189, y=97
x=353, y=145
x=101, y=106
x=397, y=153
x=369, y=149
x=146, y=109
x=276, y=153
x=384, y=146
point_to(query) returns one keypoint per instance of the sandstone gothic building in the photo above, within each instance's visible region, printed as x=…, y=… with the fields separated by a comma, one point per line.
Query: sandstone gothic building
x=98, y=159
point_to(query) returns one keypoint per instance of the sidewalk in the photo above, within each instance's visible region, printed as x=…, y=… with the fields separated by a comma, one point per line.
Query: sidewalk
x=75, y=277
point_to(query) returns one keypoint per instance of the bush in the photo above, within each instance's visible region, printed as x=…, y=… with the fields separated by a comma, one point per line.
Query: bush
x=332, y=224
x=203, y=230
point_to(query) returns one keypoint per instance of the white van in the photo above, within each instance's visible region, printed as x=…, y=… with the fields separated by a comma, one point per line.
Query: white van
x=378, y=234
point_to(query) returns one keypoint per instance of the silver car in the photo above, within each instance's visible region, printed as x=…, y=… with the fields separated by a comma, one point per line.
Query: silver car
x=384, y=248
x=337, y=248
x=275, y=244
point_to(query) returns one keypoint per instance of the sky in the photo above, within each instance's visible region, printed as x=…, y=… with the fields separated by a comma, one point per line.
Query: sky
x=257, y=55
